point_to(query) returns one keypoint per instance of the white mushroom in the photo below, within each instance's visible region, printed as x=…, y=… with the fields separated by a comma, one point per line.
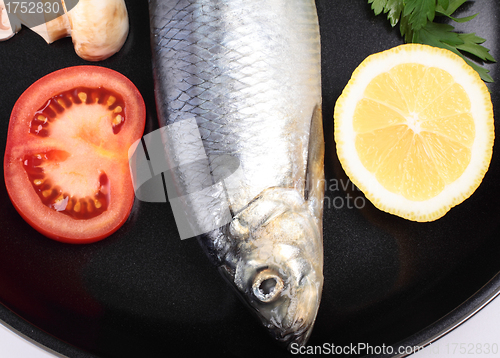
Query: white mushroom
x=98, y=28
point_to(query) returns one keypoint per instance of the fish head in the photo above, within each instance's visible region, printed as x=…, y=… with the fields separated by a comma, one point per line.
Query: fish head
x=279, y=267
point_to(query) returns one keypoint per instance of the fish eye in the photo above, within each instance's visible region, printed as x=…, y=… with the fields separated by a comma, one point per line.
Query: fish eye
x=267, y=286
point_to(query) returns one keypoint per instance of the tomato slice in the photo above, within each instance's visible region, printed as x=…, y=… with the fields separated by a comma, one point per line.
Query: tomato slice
x=66, y=160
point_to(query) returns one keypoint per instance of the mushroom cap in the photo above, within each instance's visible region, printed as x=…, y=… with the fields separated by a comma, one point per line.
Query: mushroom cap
x=98, y=28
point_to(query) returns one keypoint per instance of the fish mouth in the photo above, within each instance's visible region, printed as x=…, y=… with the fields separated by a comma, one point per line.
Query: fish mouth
x=293, y=337
x=297, y=334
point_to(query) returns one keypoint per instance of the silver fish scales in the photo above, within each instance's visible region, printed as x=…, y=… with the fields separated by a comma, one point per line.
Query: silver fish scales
x=248, y=72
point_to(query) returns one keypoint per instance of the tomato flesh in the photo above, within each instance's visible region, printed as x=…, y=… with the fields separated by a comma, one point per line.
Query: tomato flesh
x=66, y=160
x=54, y=197
x=56, y=105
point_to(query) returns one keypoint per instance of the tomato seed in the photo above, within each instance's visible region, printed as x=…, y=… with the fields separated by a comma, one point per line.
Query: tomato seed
x=82, y=96
x=77, y=207
x=69, y=205
x=47, y=193
x=117, y=121
x=55, y=106
x=90, y=207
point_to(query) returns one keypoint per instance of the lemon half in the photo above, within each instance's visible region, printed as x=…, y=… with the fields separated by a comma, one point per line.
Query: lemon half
x=414, y=130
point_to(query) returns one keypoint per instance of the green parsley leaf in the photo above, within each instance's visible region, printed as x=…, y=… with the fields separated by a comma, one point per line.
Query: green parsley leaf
x=435, y=33
x=441, y=35
x=449, y=9
x=377, y=5
x=392, y=8
x=443, y=4
x=472, y=45
x=416, y=25
x=419, y=11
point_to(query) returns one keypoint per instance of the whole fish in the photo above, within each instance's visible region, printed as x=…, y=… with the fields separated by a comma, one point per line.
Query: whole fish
x=248, y=73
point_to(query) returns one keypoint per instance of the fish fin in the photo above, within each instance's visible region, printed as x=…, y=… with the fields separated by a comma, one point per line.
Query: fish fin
x=315, y=184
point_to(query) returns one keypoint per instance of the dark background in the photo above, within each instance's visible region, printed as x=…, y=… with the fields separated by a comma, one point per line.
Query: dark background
x=145, y=292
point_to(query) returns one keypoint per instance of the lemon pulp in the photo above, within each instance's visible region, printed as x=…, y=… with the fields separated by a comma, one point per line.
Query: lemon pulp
x=413, y=134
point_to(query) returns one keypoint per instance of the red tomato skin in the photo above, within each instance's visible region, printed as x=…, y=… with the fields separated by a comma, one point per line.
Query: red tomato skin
x=20, y=141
